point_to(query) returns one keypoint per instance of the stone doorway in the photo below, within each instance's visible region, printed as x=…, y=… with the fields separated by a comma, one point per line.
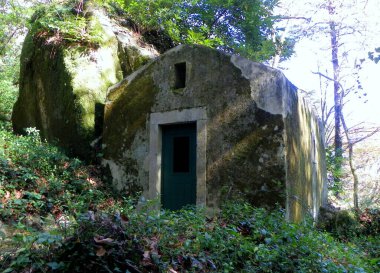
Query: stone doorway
x=195, y=118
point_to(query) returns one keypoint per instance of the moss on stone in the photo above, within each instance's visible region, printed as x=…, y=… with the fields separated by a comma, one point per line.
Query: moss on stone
x=250, y=131
x=131, y=110
x=252, y=164
x=46, y=96
x=59, y=88
x=131, y=58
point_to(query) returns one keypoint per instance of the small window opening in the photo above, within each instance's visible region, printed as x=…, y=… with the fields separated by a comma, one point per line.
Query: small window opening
x=180, y=75
x=181, y=154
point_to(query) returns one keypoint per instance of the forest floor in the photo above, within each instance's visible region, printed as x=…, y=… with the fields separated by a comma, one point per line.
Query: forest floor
x=58, y=214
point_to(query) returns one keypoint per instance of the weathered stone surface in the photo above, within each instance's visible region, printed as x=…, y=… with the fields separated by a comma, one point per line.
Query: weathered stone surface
x=62, y=88
x=261, y=142
x=306, y=162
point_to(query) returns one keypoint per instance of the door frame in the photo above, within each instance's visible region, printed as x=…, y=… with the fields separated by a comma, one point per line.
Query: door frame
x=159, y=119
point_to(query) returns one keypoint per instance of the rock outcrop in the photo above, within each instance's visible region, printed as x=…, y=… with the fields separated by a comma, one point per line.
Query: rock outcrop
x=63, y=89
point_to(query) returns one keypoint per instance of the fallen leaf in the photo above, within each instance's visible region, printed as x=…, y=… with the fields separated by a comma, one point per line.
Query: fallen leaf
x=154, y=245
x=18, y=194
x=91, y=181
x=146, y=261
x=101, y=240
x=146, y=254
x=101, y=251
x=124, y=219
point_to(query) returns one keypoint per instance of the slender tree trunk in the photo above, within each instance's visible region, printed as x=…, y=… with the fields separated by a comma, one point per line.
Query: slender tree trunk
x=337, y=94
x=355, y=176
x=350, y=144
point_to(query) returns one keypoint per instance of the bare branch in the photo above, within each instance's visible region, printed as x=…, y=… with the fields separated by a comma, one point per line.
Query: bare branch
x=293, y=18
x=366, y=136
x=330, y=112
x=331, y=79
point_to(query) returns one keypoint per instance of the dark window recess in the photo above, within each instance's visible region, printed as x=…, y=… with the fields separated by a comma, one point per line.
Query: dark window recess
x=181, y=154
x=180, y=75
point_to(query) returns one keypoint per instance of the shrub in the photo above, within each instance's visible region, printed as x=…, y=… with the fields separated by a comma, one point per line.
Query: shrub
x=37, y=178
x=9, y=65
x=357, y=228
x=67, y=23
x=148, y=240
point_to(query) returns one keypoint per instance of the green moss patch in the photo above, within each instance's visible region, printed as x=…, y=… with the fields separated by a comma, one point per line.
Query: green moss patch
x=130, y=109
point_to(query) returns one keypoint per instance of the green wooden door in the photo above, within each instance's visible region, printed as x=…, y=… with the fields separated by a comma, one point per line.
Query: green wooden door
x=178, y=166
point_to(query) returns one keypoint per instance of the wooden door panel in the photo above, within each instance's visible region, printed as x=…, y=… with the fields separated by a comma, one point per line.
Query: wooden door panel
x=178, y=165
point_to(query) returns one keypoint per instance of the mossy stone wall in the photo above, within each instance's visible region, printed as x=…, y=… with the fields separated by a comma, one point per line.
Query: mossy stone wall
x=245, y=143
x=259, y=133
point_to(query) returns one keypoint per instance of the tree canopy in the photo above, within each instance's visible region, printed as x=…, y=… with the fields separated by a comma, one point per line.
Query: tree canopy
x=235, y=26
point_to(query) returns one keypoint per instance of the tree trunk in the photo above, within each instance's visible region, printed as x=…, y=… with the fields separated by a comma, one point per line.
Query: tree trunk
x=350, y=144
x=337, y=95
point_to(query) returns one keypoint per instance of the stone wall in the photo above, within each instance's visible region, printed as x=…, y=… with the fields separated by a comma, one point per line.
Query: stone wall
x=304, y=151
x=251, y=117
x=306, y=162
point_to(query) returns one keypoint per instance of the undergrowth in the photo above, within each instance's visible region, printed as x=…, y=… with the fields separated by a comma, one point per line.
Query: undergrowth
x=36, y=178
x=56, y=215
x=65, y=24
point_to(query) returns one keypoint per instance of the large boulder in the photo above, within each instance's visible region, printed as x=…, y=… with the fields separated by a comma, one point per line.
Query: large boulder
x=63, y=88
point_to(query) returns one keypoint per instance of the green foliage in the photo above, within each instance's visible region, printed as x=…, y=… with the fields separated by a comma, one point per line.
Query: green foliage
x=346, y=224
x=36, y=178
x=240, y=239
x=8, y=94
x=67, y=23
x=374, y=55
x=361, y=229
x=12, y=24
x=43, y=193
x=342, y=224
x=334, y=170
x=242, y=27
x=9, y=72
x=65, y=220
x=13, y=18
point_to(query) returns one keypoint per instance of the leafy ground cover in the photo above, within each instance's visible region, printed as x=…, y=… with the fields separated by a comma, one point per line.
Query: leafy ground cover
x=58, y=215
